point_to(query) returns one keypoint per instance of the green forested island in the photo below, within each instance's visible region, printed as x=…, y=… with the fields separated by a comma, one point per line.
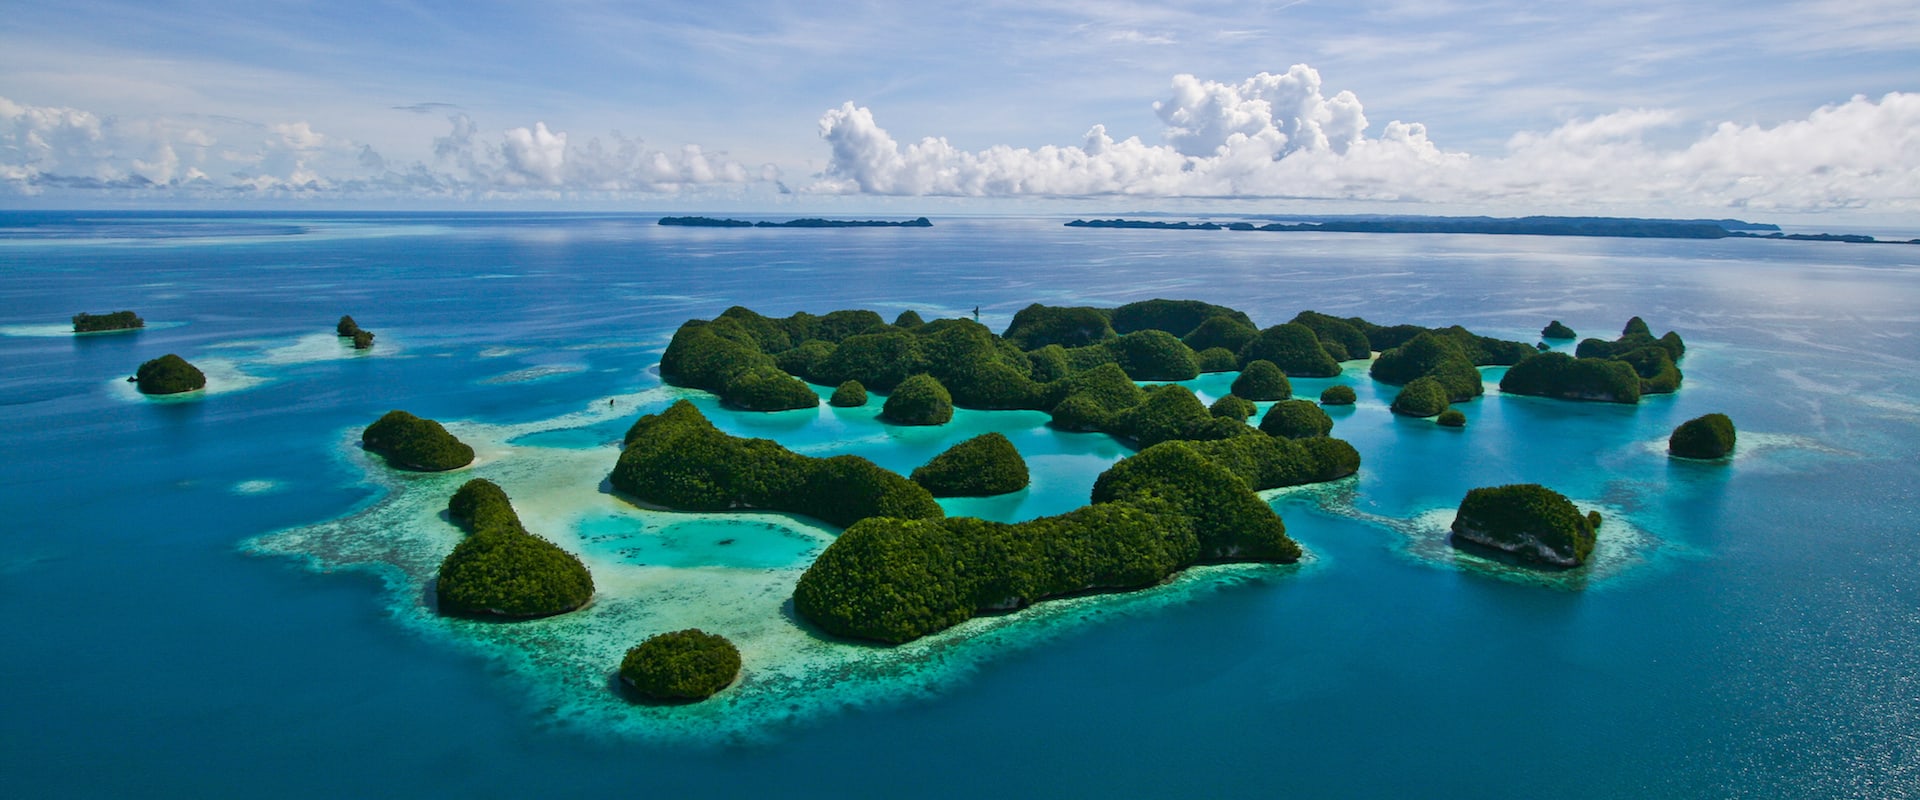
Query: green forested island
x=984, y=465
x=410, y=442
x=84, y=322
x=169, y=374
x=1620, y=371
x=1705, y=437
x=1529, y=521
x=681, y=666
x=501, y=570
x=1615, y=227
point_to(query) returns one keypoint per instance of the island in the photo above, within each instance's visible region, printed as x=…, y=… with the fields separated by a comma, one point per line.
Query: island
x=168, y=374
x=1706, y=437
x=811, y=222
x=1534, y=524
x=1424, y=396
x=84, y=322
x=849, y=394
x=682, y=666
x=348, y=329
x=500, y=570
x=918, y=400
x=1556, y=330
x=1620, y=371
x=1451, y=418
x=1233, y=407
x=414, y=443
x=1296, y=419
x=984, y=465
x=1262, y=380
x=1339, y=395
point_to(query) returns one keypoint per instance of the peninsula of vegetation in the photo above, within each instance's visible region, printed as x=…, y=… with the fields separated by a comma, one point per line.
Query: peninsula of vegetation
x=417, y=444
x=168, y=374
x=1620, y=371
x=810, y=222
x=1534, y=524
x=348, y=329
x=84, y=322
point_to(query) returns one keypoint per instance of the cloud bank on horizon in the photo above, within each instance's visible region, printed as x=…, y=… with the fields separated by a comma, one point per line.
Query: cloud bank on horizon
x=1268, y=136
x=1280, y=136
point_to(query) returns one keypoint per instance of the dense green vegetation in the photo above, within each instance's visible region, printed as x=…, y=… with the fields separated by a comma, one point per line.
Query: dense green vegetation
x=678, y=459
x=1090, y=399
x=1217, y=359
x=1233, y=407
x=502, y=570
x=1296, y=419
x=1424, y=396
x=1169, y=507
x=1228, y=332
x=724, y=357
x=1452, y=418
x=363, y=340
x=984, y=465
x=1709, y=436
x=1294, y=348
x=1262, y=380
x=1432, y=355
x=168, y=374
x=1171, y=412
x=1341, y=339
x=908, y=319
x=1337, y=396
x=919, y=400
x=1037, y=326
x=346, y=326
x=1530, y=521
x=849, y=394
x=1177, y=317
x=84, y=322
x=1555, y=330
x=1568, y=378
x=1655, y=361
x=410, y=442
x=1154, y=355
x=688, y=664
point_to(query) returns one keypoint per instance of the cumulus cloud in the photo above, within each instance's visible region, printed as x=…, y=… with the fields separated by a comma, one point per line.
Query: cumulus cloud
x=1282, y=136
x=44, y=148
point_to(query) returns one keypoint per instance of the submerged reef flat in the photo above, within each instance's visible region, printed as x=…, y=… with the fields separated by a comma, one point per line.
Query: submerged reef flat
x=569, y=662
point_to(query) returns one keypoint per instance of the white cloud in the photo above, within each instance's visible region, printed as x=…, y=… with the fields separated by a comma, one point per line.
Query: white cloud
x=1280, y=136
x=43, y=148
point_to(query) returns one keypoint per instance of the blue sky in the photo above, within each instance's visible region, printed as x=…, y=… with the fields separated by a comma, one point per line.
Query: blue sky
x=1739, y=109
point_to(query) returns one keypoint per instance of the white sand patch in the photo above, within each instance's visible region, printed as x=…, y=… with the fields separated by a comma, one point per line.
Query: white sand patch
x=61, y=330
x=535, y=373
x=223, y=377
x=315, y=347
x=255, y=487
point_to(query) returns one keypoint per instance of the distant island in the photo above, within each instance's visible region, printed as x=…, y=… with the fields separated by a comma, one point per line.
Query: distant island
x=1613, y=227
x=810, y=222
x=84, y=322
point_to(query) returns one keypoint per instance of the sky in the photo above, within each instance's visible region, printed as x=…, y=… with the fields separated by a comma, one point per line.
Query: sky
x=1760, y=110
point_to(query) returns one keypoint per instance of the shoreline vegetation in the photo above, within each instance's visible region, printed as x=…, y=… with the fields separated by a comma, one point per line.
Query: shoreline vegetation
x=808, y=222
x=84, y=322
x=1605, y=227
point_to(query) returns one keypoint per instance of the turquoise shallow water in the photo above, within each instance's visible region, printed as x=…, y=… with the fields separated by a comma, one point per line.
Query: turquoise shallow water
x=1749, y=628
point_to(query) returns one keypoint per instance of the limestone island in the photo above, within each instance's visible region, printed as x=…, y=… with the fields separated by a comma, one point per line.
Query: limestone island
x=1532, y=523
x=1338, y=396
x=84, y=322
x=501, y=570
x=348, y=329
x=417, y=444
x=683, y=666
x=1620, y=371
x=1705, y=437
x=168, y=374
x=1556, y=330
x=981, y=466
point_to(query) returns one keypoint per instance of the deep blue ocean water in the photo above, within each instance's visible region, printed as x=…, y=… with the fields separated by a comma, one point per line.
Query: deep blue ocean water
x=1756, y=631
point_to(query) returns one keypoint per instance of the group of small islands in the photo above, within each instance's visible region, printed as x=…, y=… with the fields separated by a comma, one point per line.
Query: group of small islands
x=902, y=569
x=171, y=374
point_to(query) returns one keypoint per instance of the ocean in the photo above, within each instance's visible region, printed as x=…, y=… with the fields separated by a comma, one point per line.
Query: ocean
x=221, y=595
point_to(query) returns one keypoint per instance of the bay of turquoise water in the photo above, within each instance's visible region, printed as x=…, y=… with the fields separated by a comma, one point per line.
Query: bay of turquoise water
x=1755, y=631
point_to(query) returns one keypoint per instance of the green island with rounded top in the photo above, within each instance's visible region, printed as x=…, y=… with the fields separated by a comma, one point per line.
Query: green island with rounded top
x=1532, y=523
x=984, y=465
x=502, y=570
x=918, y=400
x=1706, y=437
x=849, y=394
x=415, y=443
x=1424, y=396
x=1451, y=418
x=680, y=666
x=1296, y=419
x=1262, y=380
x=169, y=374
x=1338, y=395
x=1557, y=330
x=84, y=322
x=1233, y=406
